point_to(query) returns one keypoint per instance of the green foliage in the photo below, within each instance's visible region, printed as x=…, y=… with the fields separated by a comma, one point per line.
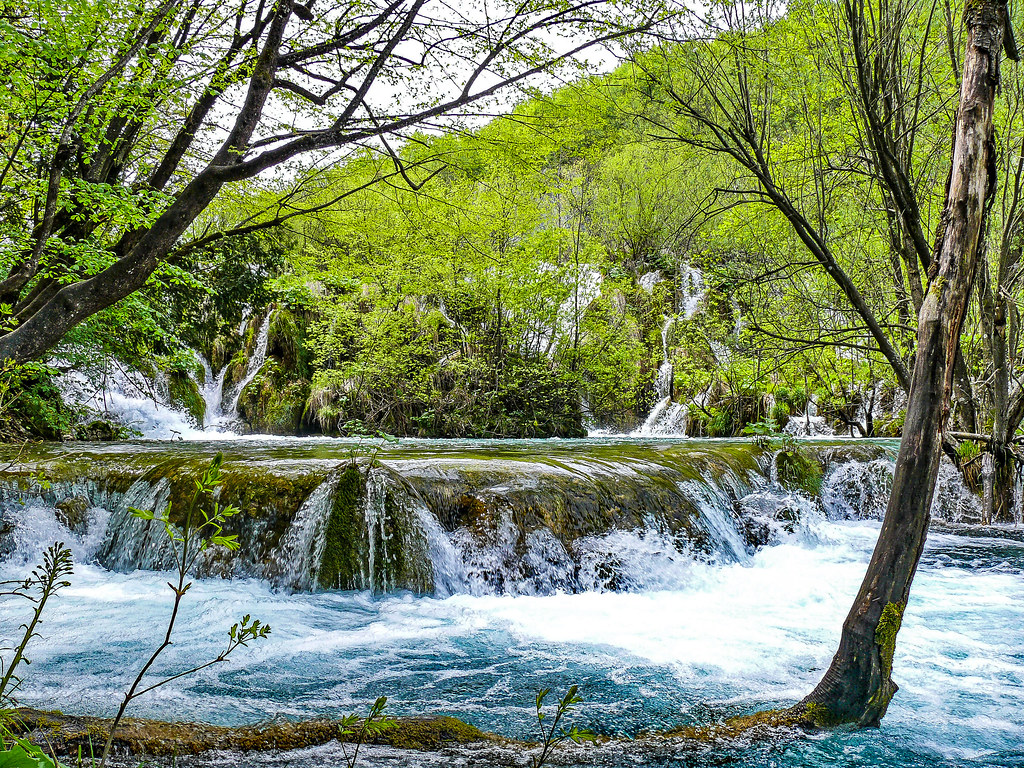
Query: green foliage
x=24, y=754
x=968, y=450
x=554, y=734
x=719, y=423
x=358, y=730
x=506, y=290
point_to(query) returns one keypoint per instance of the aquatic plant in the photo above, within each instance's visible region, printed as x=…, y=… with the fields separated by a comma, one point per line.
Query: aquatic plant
x=552, y=736
x=200, y=528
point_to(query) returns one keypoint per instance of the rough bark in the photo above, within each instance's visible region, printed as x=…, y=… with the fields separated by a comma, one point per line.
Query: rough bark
x=858, y=685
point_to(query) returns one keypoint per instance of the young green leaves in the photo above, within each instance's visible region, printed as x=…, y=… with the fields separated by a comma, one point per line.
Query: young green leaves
x=552, y=736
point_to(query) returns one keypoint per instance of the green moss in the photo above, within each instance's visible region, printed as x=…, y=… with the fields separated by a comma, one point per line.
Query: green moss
x=344, y=549
x=885, y=635
x=286, y=340
x=185, y=395
x=429, y=734
x=758, y=724
x=798, y=471
x=65, y=735
x=274, y=402
x=270, y=497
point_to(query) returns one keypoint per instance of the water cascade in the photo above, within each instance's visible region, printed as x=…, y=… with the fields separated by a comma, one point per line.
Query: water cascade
x=144, y=404
x=677, y=581
x=808, y=423
x=668, y=417
x=130, y=398
x=450, y=524
x=255, y=363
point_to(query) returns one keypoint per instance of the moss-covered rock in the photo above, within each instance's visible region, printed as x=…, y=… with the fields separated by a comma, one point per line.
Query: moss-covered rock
x=73, y=513
x=373, y=540
x=428, y=734
x=184, y=394
x=799, y=471
x=65, y=735
x=345, y=551
x=766, y=724
x=101, y=430
x=274, y=403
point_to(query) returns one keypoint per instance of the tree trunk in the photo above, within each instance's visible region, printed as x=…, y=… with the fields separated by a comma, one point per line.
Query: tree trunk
x=858, y=685
x=998, y=484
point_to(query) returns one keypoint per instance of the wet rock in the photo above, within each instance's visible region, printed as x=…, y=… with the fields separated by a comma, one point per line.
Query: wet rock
x=73, y=514
x=65, y=735
x=185, y=395
x=99, y=430
x=799, y=471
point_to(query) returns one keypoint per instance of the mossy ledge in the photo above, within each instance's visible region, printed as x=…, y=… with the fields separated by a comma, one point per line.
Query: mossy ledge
x=65, y=734
x=768, y=724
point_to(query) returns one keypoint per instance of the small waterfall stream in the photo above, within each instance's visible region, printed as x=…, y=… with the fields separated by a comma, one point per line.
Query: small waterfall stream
x=255, y=363
x=668, y=417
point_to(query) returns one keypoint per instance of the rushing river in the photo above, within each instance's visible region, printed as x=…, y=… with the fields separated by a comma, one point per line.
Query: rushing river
x=685, y=632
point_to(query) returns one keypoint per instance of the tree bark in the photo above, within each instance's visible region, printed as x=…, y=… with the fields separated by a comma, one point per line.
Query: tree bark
x=858, y=685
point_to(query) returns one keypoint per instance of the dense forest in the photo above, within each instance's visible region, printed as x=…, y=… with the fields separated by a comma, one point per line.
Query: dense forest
x=716, y=238
x=247, y=247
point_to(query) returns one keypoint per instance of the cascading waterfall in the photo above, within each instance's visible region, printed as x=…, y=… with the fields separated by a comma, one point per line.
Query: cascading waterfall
x=469, y=526
x=255, y=363
x=130, y=398
x=303, y=545
x=676, y=581
x=668, y=417
x=692, y=291
x=808, y=423
x=213, y=394
x=144, y=404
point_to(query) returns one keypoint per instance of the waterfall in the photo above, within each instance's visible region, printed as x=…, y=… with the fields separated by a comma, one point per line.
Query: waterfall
x=691, y=291
x=299, y=555
x=255, y=363
x=129, y=398
x=809, y=423
x=648, y=280
x=666, y=418
x=459, y=524
x=213, y=393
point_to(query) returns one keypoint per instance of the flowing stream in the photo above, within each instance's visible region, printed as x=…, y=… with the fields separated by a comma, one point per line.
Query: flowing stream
x=676, y=581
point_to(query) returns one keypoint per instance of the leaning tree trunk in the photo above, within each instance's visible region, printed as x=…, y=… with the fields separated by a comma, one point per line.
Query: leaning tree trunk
x=858, y=685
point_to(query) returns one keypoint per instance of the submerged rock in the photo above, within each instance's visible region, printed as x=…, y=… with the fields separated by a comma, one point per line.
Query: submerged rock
x=100, y=431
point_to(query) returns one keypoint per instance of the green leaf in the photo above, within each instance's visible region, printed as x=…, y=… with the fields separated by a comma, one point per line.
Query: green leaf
x=25, y=755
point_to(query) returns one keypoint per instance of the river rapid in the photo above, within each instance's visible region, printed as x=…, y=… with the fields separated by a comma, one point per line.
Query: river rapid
x=659, y=626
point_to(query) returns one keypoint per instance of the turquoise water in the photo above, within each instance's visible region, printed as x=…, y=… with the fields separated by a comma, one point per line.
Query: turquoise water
x=690, y=641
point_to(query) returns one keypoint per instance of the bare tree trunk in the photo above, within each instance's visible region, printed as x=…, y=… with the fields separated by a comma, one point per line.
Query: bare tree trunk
x=858, y=685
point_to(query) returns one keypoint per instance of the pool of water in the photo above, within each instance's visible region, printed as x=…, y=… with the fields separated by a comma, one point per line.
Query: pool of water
x=704, y=640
